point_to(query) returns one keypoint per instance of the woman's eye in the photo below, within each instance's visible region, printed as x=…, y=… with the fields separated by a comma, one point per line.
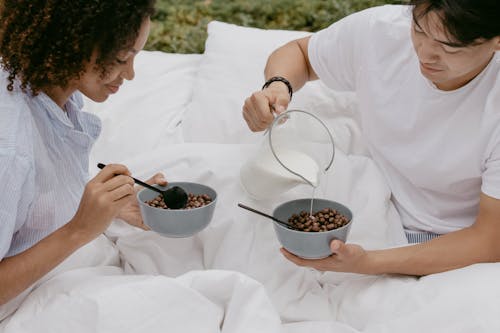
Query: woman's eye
x=121, y=62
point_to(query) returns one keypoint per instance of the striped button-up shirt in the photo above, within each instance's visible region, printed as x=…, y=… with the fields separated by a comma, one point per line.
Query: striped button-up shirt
x=44, y=153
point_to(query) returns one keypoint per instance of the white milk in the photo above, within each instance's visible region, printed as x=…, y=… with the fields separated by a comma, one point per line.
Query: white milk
x=264, y=177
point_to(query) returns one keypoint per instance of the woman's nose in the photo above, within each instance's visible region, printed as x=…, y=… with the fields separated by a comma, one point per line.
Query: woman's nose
x=129, y=73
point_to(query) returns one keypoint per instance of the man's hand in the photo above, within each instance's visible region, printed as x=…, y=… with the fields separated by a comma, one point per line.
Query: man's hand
x=345, y=258
x=259, y=108
x=131, y=213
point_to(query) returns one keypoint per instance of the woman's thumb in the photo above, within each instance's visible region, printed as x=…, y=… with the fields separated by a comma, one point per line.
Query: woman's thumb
x=159, y=179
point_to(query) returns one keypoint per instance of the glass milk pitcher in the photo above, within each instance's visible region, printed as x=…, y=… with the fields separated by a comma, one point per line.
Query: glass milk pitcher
x=297, y=149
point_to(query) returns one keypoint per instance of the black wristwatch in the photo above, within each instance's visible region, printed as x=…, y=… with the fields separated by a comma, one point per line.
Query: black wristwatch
x=279, y=79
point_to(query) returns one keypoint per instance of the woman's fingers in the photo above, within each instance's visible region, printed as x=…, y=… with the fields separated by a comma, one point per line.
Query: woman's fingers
x=116, y=182
x=122, y=192
x=158, y=178
x=110, y=171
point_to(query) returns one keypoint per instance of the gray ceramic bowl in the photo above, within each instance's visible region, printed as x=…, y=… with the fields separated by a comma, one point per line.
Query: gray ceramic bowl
x=177, y=223
x=309, y=245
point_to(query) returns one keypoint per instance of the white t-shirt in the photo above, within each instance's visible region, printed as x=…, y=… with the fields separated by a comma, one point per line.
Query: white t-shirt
x=437, y=149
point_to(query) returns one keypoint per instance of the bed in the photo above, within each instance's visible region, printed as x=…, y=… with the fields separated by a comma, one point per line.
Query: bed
x=182, y=116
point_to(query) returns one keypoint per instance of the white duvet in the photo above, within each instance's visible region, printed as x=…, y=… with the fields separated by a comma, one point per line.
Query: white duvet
x=231, y=276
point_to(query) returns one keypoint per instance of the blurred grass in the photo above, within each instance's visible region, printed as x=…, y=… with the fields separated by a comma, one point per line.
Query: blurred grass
x=179, y=26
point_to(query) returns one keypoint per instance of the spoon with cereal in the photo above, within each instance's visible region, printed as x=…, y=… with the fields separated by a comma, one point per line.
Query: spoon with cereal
x=174, y=198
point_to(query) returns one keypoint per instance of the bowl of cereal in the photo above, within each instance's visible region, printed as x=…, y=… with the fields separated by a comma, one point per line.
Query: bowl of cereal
x=309, y=236
x=183, y=222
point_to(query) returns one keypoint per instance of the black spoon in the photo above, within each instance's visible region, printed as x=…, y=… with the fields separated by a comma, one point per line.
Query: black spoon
x=174, y=198
x=284, y=224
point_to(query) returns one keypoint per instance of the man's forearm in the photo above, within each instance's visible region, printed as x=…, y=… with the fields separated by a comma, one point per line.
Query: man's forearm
x=19, y=272
x=447, y=252
x=290, y=61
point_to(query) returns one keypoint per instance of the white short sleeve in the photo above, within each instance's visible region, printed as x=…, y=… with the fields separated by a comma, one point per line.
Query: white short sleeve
x=341, y=53
x=335, y=52
x=491, y=179
x=491, y=169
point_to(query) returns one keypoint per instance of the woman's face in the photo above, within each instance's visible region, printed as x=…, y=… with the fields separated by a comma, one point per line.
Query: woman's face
x=449, y=67
x=98, y=88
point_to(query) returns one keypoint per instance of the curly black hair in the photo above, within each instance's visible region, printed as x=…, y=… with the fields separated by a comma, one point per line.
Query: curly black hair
x=45, y=43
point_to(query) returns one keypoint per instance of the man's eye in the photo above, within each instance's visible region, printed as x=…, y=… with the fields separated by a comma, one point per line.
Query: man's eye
x=417, y=29
x=121, y=62
x=451, y=50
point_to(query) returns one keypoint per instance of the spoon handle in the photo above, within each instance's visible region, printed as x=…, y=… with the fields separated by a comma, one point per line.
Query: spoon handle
x=264, y=214
x=137, y=181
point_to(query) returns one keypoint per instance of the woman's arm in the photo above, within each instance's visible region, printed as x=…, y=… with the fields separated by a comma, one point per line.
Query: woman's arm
x=476, y=244
x=19, y=272
x=104, y=196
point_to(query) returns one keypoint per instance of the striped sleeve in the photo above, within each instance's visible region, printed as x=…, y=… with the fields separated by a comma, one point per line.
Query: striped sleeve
x=14, y=177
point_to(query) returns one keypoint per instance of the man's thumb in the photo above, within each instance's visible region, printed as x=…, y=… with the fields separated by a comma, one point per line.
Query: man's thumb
x=281, y=104
x=336, y=246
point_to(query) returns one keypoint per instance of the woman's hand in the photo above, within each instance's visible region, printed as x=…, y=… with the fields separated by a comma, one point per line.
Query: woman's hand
x=345, y=258
x=259, y=108
x=131, y=212
x=104, y=196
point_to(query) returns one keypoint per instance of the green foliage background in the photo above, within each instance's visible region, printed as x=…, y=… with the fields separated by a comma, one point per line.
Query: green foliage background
x=179, y=26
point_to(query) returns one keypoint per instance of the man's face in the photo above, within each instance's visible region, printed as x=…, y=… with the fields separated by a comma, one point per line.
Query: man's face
x=442, y=61
x=97, y=88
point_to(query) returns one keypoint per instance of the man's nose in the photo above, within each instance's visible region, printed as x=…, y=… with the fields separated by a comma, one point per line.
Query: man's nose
x=428, y=51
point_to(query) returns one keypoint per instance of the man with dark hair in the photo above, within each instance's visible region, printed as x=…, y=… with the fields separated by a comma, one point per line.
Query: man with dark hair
x=428, y=86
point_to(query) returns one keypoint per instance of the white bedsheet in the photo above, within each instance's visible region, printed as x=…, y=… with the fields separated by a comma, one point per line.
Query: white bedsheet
x=231, y=277
x=103, y=299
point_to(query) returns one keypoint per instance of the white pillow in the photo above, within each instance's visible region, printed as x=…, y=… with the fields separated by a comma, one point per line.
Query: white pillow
x=232, y=68
x=147, y=111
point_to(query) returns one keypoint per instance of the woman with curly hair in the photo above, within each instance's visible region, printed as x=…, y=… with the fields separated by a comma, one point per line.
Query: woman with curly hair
x=51, y=52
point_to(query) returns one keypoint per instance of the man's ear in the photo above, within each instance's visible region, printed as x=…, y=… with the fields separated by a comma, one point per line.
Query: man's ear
x=497, y=43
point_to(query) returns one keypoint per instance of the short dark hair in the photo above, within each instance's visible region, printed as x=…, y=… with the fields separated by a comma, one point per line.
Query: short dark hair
x=47, y=42
x=466, y=21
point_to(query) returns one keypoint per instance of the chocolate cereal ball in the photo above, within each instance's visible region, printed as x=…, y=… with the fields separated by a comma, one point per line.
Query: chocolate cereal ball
x=194, y=201
x=324, y=220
